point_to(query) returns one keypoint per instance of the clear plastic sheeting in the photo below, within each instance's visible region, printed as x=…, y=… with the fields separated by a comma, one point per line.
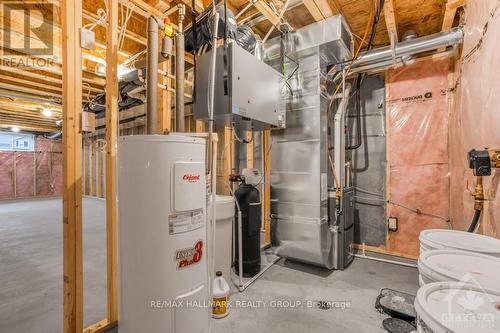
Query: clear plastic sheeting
x=25, y=174
x=32, y=173
x=418, y=173
x=476, y=118
x=6, y=175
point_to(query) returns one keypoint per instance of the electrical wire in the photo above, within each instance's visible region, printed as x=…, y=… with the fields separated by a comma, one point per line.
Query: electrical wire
x=337, y=182
x=359, y=80
x=420, y=212
x=102, y=15
x=244, y=141
x=380, y=198
x=125, y=19
x=283, y=57
x=87, y=96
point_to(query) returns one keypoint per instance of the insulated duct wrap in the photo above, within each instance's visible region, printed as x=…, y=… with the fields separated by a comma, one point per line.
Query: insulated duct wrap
x=204, y=30
x=246, y=38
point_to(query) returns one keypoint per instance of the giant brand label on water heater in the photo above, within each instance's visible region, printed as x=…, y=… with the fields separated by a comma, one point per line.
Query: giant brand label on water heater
x=189, y=178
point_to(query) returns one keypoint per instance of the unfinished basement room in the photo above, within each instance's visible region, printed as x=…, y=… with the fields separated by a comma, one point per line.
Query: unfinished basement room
x=242, y=166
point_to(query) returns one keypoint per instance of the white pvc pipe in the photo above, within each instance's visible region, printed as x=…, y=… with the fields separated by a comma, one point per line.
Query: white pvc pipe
x=240, y=250
x=339, y=133
x=364, y=256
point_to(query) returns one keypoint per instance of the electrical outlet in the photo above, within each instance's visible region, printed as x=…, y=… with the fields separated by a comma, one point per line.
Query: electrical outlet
x=392, y=224
x=87, y=39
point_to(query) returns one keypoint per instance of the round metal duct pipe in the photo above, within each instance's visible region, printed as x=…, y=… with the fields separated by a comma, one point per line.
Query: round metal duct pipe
x=410, y=47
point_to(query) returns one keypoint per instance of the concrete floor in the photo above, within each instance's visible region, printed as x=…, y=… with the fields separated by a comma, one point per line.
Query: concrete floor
x=31, y=264
x=358, y=285
x=31, y=275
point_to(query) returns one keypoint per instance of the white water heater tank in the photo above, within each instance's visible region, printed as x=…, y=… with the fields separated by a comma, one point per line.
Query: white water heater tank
x=162, y=234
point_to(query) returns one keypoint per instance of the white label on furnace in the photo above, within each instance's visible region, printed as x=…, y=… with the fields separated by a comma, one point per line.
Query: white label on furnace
x=324, y=187
x=184, y=222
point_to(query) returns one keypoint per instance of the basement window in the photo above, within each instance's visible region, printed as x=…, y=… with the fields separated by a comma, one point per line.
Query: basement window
x=15, y=141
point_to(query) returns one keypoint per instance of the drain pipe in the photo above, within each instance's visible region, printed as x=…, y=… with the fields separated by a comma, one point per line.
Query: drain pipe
x=339, y=135
x=211, y=87
x=152, y=75
x=179, y=72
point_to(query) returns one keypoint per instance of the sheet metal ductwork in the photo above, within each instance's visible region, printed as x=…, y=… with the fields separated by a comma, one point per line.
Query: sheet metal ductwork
x=303, y=229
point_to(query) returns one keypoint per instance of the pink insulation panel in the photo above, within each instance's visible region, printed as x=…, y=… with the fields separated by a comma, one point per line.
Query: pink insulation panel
x=417, y=110
x=44, y=176
x=57, y=175
x=25, y=174
x=6, y=175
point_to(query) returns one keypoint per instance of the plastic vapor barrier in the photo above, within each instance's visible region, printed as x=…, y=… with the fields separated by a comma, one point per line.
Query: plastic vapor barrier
x=476, y=118
x=418, y=173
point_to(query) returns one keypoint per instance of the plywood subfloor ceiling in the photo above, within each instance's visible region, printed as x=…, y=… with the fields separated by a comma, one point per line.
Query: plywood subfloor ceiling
x=43, y=84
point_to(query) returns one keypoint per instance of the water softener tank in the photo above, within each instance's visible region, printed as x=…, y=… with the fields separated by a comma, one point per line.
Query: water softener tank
x=248, y=198
x=162, y=234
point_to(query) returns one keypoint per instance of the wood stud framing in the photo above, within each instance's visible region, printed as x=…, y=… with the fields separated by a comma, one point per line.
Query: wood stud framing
x=72, y=169
x=111, y=143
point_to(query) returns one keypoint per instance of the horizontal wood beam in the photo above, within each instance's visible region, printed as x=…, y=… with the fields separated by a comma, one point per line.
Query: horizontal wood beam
x=26, y=105
x=28, y=90
x=28, y=114
x=26, y=126
x=19, y=71
x=34, y=91
x=198, y=5
x=100, y=327
x=18, y=116
x=146, y=9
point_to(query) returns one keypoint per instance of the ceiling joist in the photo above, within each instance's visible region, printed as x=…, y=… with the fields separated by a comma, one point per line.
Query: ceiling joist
x=449, y=13
x=264, y=8
x=390, y=20
x=319, y=9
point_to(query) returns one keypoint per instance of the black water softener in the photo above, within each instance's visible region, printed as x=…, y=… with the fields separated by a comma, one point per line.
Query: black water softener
x=248, y=198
